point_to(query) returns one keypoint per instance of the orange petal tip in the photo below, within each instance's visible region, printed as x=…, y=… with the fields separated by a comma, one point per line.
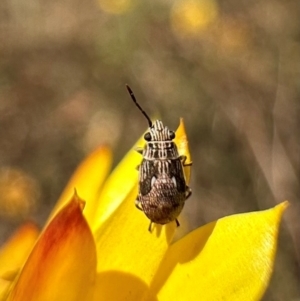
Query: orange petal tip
x=62, y=265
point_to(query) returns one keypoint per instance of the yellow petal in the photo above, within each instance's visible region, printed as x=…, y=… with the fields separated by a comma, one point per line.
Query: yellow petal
x=4, y=288
x=183, y=148
x=230, y=259
x=87, y=180
x=128, y=254
x=118, y=185
x=14, y=253
x=62, y=265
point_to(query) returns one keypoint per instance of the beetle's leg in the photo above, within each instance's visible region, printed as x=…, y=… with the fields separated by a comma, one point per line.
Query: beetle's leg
x=138, y=204
x=188, y=192
x=139, y=149
x=177, y=222
x=150, y=226
x=183, y=159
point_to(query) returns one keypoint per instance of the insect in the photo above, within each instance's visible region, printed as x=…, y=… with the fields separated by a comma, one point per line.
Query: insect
x=162, y=186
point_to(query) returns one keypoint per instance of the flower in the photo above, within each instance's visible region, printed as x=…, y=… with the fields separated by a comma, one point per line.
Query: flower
x=104, y=251
x=192, y=17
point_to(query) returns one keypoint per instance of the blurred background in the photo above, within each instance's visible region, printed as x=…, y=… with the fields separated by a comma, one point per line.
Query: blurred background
x=229, y=68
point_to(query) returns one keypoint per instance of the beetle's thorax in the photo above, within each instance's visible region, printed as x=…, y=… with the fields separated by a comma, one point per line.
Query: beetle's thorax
x=161, y=145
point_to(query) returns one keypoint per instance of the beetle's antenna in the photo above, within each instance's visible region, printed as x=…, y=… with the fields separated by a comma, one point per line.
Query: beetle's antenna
x=140, y=108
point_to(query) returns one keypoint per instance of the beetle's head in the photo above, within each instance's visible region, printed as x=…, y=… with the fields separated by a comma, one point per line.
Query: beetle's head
x=159, y=132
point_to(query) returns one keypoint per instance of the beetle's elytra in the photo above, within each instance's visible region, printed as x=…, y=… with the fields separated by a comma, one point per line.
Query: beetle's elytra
x=162, y=186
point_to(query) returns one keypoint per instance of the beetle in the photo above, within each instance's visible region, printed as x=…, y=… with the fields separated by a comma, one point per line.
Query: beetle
x=162, y=188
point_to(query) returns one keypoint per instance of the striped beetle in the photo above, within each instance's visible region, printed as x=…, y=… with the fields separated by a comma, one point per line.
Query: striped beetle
x=162, y=186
